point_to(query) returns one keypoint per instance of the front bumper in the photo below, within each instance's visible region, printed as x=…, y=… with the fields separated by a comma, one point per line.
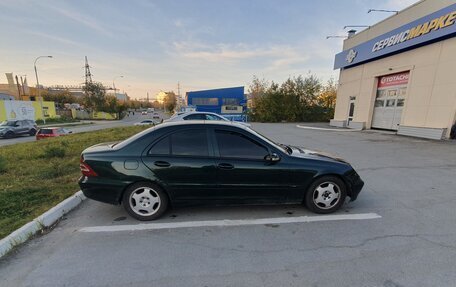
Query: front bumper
x=104, y=190
x=356, y=184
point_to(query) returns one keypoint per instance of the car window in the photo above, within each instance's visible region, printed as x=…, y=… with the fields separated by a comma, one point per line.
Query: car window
x=233, y=144
x=190, y=142
x=162, y=147
x=213, y=118
x=45, y=131
x=195, y=117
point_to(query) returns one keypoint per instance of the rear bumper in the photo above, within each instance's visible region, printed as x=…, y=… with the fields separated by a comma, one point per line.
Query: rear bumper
x=103, y=190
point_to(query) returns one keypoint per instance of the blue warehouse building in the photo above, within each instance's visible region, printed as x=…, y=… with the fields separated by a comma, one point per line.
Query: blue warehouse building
x=228, y=102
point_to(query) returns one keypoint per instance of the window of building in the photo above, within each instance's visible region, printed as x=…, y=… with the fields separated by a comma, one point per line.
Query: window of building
x=379, y=103
x=205, y=101
x=230, y=102
x=236, y=145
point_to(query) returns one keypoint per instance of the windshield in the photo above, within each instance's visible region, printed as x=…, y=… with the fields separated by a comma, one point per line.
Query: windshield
x=8, y=123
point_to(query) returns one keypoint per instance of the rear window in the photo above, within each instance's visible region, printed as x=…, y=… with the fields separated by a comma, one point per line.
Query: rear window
x=45, y=131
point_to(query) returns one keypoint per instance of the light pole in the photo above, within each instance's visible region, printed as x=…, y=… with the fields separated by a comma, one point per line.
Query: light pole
x=38, y=86
x=114, y=85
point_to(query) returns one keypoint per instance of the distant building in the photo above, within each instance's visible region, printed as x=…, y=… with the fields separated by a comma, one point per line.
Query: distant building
x=230, y=102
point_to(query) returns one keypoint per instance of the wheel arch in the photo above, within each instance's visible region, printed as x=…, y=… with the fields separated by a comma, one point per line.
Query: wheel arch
x=320, y=175
x=146, y=181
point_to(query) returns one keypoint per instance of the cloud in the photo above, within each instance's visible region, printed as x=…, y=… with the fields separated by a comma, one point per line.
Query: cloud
x=83, y=19
x=278, y=55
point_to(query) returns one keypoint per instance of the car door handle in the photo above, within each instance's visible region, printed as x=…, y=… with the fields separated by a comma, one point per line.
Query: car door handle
x=161, y=163
x=225, y=166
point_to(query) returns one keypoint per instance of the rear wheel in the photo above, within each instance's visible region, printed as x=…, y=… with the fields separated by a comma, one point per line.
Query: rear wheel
x=326, y=194
x=145, y=201
x=9, y=135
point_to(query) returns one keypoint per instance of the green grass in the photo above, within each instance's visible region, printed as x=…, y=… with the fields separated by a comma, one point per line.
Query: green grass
x=61, y=120
x=36, y=176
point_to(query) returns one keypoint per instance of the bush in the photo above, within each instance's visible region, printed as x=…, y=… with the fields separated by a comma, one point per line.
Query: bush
x=53, y=151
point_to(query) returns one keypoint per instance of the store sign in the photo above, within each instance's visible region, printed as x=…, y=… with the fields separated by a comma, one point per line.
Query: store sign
x=19, y=110
x=428, y=29
x=393, y=80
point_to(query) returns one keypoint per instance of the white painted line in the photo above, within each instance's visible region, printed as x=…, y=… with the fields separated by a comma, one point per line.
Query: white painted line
x=229, y=222
x=328, y=129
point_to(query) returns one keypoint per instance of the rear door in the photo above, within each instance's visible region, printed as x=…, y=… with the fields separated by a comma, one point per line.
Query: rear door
x=183, y=161
x=242, y=171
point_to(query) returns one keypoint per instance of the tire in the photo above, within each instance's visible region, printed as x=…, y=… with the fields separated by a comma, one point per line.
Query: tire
x=9, y=135
x=326, y=195
x=145, y=201
x=32, y=132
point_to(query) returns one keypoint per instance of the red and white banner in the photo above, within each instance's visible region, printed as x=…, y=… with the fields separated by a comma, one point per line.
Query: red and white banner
x=399, y=79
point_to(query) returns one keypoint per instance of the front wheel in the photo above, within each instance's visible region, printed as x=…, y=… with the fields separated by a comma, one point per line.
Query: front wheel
x=326, y=194
x=145, y=201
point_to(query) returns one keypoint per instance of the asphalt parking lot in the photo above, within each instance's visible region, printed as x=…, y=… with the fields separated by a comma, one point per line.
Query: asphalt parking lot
x=410, y=185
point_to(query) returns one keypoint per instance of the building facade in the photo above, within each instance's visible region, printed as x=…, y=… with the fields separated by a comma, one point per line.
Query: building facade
x=229, y=102
x=399, y=74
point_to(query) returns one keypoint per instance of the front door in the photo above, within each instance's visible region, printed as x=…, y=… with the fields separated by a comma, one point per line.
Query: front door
x=243, y=174
x=184, y=163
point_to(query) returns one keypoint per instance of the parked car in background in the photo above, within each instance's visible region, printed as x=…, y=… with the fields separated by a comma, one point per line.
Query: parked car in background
x=144, y=113
x=205, y=116
x=155, y=115
x=146, y=123
x=218, y=162
x=51, y=132
x=13, y=128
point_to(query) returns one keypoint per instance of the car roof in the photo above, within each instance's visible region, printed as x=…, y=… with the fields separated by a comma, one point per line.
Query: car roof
x=204, y=122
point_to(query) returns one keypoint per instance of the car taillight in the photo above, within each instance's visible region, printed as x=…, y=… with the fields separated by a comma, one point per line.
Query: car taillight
x=86, y=169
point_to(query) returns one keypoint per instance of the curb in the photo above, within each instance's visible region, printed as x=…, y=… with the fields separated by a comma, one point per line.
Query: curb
x=45, y=220
x=326, y=129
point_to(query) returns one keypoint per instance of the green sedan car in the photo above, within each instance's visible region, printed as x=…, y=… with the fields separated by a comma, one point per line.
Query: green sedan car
x=200, y=162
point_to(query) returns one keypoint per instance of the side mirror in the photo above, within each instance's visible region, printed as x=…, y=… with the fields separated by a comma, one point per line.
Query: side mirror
x=272, y=157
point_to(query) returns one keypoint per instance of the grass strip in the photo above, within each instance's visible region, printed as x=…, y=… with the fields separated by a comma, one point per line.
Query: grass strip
x=36, y=176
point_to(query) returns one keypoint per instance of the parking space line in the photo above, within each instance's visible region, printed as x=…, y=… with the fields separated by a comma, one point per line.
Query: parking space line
x=229, y=222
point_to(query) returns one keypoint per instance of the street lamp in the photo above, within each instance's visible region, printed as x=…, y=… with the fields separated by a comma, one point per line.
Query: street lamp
x=114, y=85
x=38, y=86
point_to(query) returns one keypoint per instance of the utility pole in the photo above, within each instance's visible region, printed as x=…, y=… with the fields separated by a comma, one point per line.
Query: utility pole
x=178, y=89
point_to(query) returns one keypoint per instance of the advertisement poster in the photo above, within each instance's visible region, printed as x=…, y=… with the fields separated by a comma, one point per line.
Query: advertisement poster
x=19, y=110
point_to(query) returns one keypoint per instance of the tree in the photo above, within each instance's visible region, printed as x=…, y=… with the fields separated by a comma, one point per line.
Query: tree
x=170, y=101
x=296, y=99
x=61, y=97
x=95, y=96
x=327, y=97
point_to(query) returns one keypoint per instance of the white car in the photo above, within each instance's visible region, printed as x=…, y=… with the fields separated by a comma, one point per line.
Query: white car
x=146, y=123
x=207, y=116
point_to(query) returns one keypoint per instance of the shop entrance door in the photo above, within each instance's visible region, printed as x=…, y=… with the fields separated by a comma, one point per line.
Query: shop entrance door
x=391, y=94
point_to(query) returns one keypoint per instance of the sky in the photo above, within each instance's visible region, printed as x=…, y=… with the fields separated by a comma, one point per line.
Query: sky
x=202, y=44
